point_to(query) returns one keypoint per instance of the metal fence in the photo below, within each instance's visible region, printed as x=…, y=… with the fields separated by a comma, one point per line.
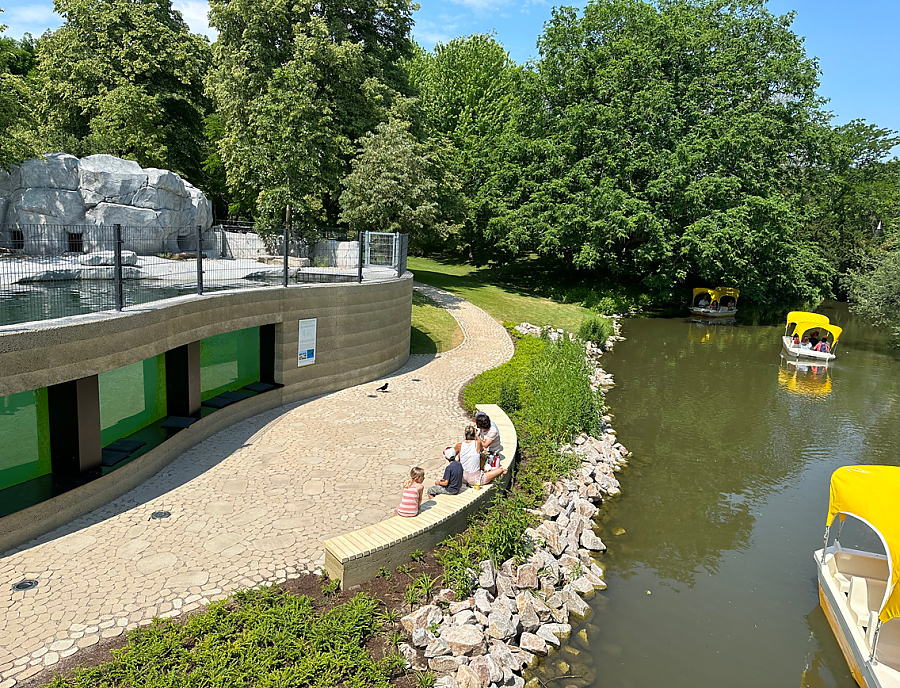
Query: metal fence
x=52, y=271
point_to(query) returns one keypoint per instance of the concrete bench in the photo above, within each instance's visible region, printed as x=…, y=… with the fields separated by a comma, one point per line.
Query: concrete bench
x=357, y=556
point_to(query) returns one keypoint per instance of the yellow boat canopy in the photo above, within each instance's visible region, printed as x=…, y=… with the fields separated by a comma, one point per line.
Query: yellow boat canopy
x=870, y=493
x=717, y=293
x=801, y=328
x=803, y=316
x=727, y=291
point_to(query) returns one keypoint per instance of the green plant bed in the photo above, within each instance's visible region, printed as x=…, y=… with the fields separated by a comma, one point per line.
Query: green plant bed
x=266, y=638
x=434, y=330
x=545, y=390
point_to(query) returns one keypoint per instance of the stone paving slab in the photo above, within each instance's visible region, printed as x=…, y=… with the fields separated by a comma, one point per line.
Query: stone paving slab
x=249, y=505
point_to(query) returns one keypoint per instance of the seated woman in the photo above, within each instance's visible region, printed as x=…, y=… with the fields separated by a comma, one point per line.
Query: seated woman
x=804, y=343
x=469, y=452
x=796, y=341
x=714, y=306
x=489, y=434
x=822, y=346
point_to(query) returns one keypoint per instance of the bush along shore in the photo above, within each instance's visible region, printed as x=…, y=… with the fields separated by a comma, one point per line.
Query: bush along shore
x=513, y=610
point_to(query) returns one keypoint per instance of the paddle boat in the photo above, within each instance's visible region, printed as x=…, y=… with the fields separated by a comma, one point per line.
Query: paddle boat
x=858, y=589
x=815, y=328
x=720, y=302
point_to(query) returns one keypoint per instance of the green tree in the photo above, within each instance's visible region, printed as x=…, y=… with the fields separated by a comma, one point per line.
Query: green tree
x=124, y=77
x=296, y=85
x=15, y=113
x=874, y=291
x=853, y=193
x=666, y=141
x=468, y=90
x=399, y=184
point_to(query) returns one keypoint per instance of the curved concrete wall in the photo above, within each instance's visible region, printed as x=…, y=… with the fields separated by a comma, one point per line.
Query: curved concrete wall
x=362, y=334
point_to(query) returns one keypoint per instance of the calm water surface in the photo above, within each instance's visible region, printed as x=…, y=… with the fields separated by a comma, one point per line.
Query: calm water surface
x=725, y=501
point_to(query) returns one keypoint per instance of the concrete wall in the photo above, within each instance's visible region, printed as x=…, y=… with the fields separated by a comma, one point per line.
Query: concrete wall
x=362, y=334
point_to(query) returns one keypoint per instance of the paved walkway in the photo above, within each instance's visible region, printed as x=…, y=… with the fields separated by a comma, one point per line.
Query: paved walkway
x=249, y=505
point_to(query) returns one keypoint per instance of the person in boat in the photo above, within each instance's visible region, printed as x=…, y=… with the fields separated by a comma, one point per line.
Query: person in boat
x=823, y=346
x=814, y=339
x=704, y=301
x=804, y=343
x=714, y=306
x=796, y=342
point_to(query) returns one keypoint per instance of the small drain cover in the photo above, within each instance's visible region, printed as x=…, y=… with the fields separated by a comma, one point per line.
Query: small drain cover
x=26, y=584
x=157, y=515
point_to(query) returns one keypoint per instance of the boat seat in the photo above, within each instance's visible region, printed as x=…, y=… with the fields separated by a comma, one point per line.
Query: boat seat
x=888, y=650
x=858, y=601
x=839, y=578
x=851, y=564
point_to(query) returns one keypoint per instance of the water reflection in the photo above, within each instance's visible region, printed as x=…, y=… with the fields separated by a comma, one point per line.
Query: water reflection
x=725, y=500
x=800, y=377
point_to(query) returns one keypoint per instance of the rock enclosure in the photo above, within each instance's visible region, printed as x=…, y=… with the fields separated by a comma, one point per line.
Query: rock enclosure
x=45, y=197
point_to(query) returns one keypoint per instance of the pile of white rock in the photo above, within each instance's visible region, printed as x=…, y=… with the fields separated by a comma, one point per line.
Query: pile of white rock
x=520, y=612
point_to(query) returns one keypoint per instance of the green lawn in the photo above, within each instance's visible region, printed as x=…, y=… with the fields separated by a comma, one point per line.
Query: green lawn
x=434, y=330
x=487, y=289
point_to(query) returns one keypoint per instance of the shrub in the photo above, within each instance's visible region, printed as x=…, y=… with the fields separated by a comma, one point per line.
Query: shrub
x=596, y=329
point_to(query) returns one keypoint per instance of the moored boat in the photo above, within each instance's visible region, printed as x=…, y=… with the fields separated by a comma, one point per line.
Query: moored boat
x=858, y=589
x=810, y=328
x=720, y=302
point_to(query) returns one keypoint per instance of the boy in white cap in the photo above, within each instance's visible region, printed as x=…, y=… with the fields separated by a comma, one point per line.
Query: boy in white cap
x=452, y=482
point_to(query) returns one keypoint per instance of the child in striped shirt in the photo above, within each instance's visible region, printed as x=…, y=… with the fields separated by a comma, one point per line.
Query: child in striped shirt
x=412, y=494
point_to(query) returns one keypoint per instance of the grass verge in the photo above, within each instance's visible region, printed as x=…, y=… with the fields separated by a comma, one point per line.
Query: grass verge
x=545, y=389
x=434, y=330
x=528, y=291
x=504, y=302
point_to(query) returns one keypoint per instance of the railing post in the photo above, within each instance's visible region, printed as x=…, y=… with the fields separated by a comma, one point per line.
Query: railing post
x=359, y=260
x=286, y=238
x=117, y=251
x=199, y=259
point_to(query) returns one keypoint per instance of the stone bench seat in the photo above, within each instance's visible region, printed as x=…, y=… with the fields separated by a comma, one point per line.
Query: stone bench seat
x=357, y=556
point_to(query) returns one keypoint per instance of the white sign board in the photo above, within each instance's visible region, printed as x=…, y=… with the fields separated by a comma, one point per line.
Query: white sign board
x=306, y=345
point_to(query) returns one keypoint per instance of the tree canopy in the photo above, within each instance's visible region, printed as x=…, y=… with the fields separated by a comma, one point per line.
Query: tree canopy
x=124, y=77
x=296, y=85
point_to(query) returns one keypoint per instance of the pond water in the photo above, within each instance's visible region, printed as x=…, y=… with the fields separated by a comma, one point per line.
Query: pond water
x=725, y=501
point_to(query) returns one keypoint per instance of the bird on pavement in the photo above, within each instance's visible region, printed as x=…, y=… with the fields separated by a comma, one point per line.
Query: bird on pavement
x=383, y=388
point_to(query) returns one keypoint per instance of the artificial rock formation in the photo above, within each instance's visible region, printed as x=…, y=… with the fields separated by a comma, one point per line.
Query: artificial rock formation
x=45, y=198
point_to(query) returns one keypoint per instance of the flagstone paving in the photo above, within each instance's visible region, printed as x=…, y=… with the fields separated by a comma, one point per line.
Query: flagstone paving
x=249, y=505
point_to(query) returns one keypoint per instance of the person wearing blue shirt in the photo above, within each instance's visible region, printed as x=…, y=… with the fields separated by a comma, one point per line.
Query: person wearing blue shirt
x=452, y=482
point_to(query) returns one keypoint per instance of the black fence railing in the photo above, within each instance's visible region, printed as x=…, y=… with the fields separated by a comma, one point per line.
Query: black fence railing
x=52, y=271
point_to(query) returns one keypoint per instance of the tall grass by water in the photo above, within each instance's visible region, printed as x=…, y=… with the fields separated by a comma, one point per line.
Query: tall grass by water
x=545, y=389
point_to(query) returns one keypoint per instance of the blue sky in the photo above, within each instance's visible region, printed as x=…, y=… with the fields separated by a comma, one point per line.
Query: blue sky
x=855, y=41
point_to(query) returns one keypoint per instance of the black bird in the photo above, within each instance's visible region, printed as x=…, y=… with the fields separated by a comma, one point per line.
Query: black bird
x=383, y=388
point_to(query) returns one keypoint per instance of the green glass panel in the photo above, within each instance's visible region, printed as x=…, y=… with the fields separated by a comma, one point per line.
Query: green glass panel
x=228, y=361
x=131, y=397
x=24, y=437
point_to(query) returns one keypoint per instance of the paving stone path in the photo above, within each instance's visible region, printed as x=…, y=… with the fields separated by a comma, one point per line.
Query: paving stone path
x=248, y=505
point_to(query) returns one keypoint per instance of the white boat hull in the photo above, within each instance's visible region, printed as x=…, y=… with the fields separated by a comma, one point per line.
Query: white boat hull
x=850, y=637
x=804, y=354
x=707, y=313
